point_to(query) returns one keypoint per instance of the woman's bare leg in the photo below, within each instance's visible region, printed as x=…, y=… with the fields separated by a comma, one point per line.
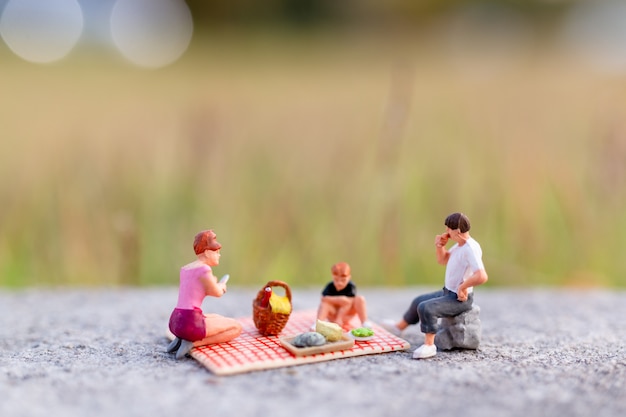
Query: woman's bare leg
x=219, y=329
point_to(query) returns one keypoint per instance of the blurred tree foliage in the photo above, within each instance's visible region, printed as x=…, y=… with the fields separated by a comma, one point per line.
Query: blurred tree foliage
x=311, y=13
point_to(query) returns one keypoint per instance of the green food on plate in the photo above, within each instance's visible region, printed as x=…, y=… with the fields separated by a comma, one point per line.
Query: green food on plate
x=362, y=332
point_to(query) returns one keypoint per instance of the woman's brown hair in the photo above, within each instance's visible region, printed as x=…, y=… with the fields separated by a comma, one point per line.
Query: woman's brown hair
x=205, y=240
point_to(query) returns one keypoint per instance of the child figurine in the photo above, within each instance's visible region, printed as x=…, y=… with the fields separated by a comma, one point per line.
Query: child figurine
x=464, y=270
x=187, y=322
x=339, y=303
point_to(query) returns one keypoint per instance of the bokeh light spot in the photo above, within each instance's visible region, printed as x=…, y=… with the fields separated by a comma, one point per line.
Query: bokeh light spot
x=41, y=31
x=596, y=33
x=151, y=33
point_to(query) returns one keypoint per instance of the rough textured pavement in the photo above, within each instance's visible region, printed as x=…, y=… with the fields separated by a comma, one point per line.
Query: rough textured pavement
x=100, y=352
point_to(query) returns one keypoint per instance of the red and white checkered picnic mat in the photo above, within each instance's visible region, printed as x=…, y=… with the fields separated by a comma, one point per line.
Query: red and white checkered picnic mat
x=253, y=352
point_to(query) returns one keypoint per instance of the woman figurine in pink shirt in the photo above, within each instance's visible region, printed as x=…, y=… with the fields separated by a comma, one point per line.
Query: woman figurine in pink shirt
x=187, y=322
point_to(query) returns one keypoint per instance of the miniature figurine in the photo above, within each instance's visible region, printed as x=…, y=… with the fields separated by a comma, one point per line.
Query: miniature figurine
x=464, y=270
x=187, y=322
x=340, y=303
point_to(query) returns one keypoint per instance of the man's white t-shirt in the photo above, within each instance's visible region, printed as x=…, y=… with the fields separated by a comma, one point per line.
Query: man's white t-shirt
x=463, y=262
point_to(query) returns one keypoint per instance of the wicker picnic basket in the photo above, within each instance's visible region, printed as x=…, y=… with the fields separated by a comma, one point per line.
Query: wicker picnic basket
x=267, y=322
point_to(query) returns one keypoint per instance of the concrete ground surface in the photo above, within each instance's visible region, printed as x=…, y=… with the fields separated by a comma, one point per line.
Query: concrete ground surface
x=100, y=352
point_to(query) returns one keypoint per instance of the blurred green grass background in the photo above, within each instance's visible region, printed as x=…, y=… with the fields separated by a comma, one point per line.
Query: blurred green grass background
x=304, y=150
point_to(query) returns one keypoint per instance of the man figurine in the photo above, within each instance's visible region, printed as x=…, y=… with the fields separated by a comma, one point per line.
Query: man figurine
x=464, y=271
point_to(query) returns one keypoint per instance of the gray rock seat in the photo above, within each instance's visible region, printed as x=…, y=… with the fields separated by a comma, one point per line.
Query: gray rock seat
x=462, y=331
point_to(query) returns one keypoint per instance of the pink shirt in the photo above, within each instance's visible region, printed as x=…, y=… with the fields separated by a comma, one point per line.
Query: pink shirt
x=191, y=291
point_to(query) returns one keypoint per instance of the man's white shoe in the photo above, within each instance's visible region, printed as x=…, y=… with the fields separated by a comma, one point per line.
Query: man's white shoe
x=425, y=351
x=391, y=327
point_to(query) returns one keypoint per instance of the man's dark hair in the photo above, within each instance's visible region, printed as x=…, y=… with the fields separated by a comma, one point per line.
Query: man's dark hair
x=458, y=221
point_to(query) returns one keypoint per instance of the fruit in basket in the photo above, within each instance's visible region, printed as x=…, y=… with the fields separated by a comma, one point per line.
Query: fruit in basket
x=309, y=339
x=362, y=332
x=331, y=331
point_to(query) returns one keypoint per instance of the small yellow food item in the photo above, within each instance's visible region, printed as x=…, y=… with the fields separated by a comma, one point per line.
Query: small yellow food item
x=280, y=304
x=331, y=331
